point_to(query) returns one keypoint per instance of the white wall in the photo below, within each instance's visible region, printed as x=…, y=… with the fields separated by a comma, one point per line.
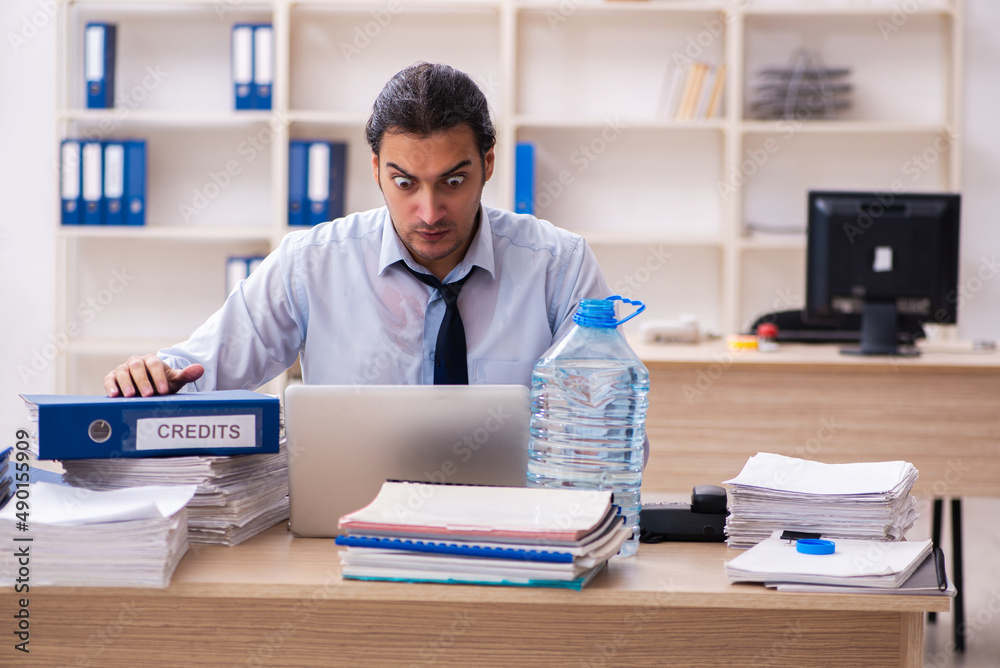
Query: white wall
x=28, y=214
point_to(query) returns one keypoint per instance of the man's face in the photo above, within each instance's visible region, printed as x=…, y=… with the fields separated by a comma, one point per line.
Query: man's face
x=432, y=187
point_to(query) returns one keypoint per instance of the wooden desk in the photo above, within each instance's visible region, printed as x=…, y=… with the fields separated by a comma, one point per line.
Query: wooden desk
x=711, y=409
x=280, y=601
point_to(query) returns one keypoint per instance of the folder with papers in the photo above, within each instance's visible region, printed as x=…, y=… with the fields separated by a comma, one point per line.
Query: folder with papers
x=114, y=182
x=99, y=64
x=263, y=66
x=298, y=166
x=524, y=178
x=325, y=173
x=135, y=182
x=854, y=563
x=242, y=65
x=71, y=181
x=93, y=182
x=205, y=423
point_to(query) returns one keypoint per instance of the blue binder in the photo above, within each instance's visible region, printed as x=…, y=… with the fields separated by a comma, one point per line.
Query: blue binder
x=71, y=181
x=135, y=182
x=298, y=163
x=114, y=183
x=242, y=65
x=99, y=64
x=231, y=422
x=93, y=182
x=325, y=174
x=263, y=66
x=524, y=178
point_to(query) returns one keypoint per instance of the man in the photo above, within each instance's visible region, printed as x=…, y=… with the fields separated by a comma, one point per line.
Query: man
x=358, y=298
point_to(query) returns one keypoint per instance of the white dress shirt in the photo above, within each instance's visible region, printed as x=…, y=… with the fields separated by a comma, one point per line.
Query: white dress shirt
x=336, y=295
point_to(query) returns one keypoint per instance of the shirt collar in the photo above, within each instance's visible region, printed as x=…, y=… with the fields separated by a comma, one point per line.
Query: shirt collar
x=480, y=253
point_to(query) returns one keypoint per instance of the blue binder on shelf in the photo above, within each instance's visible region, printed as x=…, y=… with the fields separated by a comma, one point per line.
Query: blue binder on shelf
x=524, y=178
x=114, y=183
x=243, y=65
x=326, y=173
x=135, y=182
x=71, y=181
x=92, y=153
x=263, y=66
x=232, y=422
x=298, y=164
x=99, y=64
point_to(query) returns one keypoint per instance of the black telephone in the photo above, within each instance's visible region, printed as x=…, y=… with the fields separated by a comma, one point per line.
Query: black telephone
x=704, y=519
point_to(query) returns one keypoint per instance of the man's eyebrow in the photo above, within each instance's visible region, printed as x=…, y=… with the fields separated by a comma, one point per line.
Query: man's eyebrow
x=460, y=165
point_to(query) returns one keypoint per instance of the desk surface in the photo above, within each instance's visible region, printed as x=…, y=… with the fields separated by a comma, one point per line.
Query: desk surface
x=711, y=409
x=803, y=354
x=674, y=574
x=280, y=601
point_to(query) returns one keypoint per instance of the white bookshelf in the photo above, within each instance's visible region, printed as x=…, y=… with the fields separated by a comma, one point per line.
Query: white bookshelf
x=581, y=80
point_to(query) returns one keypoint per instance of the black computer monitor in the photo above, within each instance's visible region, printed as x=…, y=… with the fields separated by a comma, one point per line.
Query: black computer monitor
x=886, y=256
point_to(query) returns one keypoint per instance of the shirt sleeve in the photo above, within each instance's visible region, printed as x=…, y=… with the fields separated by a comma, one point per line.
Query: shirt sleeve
x=582, y=279
x=253, y=337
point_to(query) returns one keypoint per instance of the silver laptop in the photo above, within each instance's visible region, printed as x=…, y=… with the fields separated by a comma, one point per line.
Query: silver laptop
x=345, y=441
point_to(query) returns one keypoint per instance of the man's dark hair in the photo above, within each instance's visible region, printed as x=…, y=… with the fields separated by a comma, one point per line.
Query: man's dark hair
x=427, y=98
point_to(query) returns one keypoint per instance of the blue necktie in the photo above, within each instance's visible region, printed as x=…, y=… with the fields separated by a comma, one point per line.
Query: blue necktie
x=450, y=357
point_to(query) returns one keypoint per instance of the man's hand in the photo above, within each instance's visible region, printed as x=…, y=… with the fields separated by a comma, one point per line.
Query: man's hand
x=148, y=375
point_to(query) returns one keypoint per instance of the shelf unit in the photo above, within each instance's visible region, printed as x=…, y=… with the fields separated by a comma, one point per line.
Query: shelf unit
x=673, y=209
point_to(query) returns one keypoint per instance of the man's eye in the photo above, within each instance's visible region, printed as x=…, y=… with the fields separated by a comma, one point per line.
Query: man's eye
x=402, y=182
x=455, y=181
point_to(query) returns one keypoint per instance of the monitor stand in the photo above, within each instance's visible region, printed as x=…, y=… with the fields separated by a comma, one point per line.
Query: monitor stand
x=880, y=332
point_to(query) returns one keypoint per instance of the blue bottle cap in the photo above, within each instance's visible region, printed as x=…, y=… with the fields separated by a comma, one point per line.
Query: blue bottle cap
x=601, y=312
x=814, y=546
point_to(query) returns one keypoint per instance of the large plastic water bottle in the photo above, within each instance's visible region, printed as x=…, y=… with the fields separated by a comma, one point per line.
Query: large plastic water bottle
x=589, y=395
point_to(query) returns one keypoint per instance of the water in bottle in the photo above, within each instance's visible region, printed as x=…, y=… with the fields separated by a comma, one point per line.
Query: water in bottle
x=588, y=412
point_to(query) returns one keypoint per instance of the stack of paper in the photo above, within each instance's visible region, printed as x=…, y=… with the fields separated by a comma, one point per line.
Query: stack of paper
x=862, y=501
x=6, y=480
x=237, y=496
x=80, y=538
x=420, y=532
x=854, y=563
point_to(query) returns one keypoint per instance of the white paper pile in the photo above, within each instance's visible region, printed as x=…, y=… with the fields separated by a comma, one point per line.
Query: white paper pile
x=237, y=496
x=866, y=501
x=82, y=538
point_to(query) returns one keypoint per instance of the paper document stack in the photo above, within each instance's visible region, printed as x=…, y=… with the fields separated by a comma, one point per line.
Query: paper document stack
x=80, y=538
x=420, y=532
x=862, y=501
x=237, y=496
x=854, y=563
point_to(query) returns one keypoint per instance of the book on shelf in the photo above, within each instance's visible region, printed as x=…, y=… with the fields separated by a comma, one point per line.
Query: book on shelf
x=691, y=90
x=124, y=538
x=481, y=534
x=217, y=423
